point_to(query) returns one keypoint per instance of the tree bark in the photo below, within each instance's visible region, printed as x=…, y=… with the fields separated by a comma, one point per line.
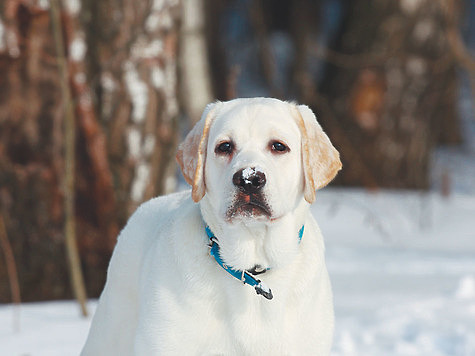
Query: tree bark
x=196, y=91
x=134, y=59
x=122, y=64
x=391, y=86
x=31, y=144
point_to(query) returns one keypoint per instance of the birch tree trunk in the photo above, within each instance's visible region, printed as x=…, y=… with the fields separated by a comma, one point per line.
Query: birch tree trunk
x=135, y=85
x=195, y=84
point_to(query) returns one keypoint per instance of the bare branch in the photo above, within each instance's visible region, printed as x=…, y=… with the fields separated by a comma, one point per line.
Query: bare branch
x=70, y=135
x=11, y=268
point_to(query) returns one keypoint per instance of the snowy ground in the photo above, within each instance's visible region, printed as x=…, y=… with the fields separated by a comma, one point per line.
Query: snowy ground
x=402, y=267
x=403, y=272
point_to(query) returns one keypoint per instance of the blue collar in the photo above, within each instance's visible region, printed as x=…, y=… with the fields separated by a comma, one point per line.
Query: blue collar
x=245, y=276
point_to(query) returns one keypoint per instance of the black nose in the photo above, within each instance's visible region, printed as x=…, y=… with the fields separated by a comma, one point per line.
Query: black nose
x=249, y=180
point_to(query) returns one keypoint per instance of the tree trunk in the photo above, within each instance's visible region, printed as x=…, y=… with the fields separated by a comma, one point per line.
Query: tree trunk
x=195, y=82
x=391, y=80
x=31, y=144
x=122, y=72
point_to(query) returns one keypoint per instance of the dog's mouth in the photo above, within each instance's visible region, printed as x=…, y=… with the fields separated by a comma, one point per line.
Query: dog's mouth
x=249, y=205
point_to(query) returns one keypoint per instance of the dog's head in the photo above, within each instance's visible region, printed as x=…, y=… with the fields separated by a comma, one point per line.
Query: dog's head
x=257, y=158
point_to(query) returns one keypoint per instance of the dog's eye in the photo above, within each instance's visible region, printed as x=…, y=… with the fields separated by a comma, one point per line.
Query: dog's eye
x=279, y=147
x=224, y=148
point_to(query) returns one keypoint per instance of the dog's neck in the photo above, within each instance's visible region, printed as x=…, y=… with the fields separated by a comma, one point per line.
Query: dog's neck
x=247, y=243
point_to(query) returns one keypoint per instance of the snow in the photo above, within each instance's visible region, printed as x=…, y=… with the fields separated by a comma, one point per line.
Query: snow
x=46, y=329
x=248, y=173
x=466, y=289
x=402, y=266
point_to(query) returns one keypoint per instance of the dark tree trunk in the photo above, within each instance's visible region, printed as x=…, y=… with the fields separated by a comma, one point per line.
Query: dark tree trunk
x=221, y=80
x=392, y=89
x=31, y=164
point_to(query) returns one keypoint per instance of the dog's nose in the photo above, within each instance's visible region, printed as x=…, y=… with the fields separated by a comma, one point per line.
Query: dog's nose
x=249, y=179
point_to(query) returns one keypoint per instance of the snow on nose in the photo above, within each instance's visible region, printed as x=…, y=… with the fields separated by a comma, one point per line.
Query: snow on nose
x=249, y=179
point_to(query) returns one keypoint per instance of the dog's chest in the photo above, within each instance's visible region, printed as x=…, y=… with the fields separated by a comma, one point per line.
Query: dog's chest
x=250, y=328
x=263, y=330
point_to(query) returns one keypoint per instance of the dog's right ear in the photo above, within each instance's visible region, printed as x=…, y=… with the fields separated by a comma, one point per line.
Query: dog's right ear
x=191, y=154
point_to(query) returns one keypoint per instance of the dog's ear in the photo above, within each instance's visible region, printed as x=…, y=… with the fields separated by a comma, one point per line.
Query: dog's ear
x=191, y=154
x=321, y=161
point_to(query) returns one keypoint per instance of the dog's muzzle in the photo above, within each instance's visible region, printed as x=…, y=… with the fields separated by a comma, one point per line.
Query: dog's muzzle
x=249, y=199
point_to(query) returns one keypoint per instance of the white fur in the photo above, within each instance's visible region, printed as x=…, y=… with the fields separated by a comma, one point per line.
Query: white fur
x=165, y=295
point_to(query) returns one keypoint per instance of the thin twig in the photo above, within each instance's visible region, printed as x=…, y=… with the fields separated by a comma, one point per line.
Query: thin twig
x=70, y=135
x=11, y=270
x=350, y=60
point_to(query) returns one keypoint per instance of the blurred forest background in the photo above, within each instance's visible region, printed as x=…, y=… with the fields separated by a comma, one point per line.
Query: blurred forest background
x=96, y=95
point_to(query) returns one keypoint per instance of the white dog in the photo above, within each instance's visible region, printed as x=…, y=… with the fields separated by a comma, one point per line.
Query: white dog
x=184, y=274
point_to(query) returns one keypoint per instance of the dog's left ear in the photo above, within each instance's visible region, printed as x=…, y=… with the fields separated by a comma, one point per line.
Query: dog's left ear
x=191, y=154
x=321, y=161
